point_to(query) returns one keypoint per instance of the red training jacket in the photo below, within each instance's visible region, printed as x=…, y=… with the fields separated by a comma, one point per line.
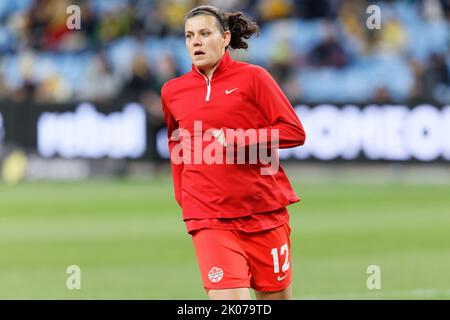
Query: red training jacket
x=238, y=96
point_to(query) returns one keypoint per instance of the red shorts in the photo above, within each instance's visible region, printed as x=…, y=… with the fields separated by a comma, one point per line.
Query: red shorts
x=234, y=259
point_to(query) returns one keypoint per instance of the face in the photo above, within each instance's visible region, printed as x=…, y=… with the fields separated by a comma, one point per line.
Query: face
x=205, y=43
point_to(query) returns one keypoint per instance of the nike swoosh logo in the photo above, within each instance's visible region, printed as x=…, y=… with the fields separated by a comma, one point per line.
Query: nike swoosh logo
x=230, y=91
x=281, y=278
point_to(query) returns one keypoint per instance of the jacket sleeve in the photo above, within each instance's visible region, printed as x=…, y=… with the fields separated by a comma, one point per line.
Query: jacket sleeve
x=278, y=112
x=172, y=125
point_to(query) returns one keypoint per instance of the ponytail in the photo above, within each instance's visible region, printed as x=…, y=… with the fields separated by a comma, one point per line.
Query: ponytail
x=241, y=27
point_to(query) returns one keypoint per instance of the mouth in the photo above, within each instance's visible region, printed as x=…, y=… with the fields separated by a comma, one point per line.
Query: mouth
x=198, y=53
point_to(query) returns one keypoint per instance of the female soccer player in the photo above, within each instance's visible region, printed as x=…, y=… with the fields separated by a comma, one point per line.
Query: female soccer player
x=235, y=213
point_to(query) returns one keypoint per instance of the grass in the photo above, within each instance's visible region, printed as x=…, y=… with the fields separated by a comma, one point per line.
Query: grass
x=130, y=242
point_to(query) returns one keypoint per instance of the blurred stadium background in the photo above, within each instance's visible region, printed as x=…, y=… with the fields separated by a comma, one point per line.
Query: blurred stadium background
x=84, y=174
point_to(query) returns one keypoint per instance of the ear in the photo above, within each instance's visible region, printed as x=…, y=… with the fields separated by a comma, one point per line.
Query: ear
x=227, y=37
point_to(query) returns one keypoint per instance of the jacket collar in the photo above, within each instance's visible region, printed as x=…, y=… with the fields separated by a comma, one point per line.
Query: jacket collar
x=224, y=62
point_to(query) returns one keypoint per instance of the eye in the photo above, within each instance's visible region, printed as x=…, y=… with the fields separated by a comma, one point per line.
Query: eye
x=205, y=34
x=188, y=36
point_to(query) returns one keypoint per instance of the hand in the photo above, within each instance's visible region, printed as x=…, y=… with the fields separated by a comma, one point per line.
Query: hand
x=220, y=136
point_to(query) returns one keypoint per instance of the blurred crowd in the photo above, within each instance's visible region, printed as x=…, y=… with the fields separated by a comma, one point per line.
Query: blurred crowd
x=318, y=51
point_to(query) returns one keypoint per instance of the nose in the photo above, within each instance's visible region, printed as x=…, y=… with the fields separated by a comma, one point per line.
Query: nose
x=196, y=41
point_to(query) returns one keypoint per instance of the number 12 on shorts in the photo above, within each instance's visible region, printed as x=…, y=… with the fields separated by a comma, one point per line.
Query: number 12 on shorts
x=283, y=252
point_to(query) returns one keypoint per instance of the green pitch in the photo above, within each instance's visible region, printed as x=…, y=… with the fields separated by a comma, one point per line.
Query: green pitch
x=130, y=243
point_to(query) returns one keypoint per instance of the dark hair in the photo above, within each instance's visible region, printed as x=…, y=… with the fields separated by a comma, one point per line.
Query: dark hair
x=240, y=26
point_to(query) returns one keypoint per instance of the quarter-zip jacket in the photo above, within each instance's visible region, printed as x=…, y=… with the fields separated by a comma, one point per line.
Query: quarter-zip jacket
x=237, y=96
